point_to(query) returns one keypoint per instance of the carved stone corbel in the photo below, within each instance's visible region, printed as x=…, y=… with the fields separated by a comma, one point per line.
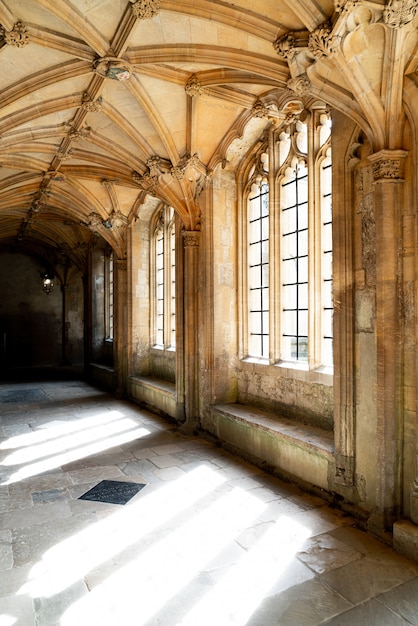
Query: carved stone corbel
x=388, y=164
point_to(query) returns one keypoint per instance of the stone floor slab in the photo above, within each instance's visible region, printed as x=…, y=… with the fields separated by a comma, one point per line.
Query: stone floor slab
x=370, y=613
x=323, y=553
x=368, y=577
x=306, y=604
x=403, y=600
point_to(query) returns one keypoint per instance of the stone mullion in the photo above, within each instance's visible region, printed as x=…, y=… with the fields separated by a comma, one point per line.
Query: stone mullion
x=314, y=252
x=388, y=178
x=190, y=298
x=274, y=254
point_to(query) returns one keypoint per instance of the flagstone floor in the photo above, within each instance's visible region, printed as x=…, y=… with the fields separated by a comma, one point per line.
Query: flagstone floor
x=209, y=540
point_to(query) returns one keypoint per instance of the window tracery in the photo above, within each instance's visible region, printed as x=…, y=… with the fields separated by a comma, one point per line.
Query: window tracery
x=288, y=300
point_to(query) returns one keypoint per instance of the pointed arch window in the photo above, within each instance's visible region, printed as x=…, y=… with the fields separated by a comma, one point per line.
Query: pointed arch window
x=288, y=286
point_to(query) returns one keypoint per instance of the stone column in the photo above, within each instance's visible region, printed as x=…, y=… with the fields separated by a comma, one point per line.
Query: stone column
x=191, y=358
x=120, y=321
x=343, y=200
x=388, y=168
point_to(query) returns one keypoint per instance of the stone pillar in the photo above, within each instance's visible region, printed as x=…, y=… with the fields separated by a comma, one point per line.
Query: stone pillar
x=120, y=343
x=343, y=288
x=388, y=168
x=191, y=358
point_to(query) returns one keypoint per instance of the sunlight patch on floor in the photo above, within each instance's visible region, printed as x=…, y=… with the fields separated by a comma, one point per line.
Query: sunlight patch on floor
x=237, y=595
x=104, y=437
x=56, y=430
x=163, y=569
x=103, y=540
x=30, y=453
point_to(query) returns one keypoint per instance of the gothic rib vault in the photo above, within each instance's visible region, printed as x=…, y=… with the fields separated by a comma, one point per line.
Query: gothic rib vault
x=106, y=105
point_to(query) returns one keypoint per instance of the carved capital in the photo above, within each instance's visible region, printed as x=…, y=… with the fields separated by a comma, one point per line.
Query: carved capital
x=322, y=42
x=193, y=87
x=191, y=238
x=145, y=9
x=300, y=85
x=289, y=44
x=398, y=13
x=121, y=265
x=388, y=165
x=18, y=36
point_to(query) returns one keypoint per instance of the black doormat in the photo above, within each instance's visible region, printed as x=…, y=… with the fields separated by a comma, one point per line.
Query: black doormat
x=112, y=492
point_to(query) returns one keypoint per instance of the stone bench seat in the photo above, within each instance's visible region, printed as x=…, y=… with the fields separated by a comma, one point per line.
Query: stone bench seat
x=298, y=451
x=155, y=393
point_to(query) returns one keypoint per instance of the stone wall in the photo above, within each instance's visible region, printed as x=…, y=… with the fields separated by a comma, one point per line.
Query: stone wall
x=31, y=321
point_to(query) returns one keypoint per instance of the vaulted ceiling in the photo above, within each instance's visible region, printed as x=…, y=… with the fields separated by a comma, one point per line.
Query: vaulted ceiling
x=106, y=104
